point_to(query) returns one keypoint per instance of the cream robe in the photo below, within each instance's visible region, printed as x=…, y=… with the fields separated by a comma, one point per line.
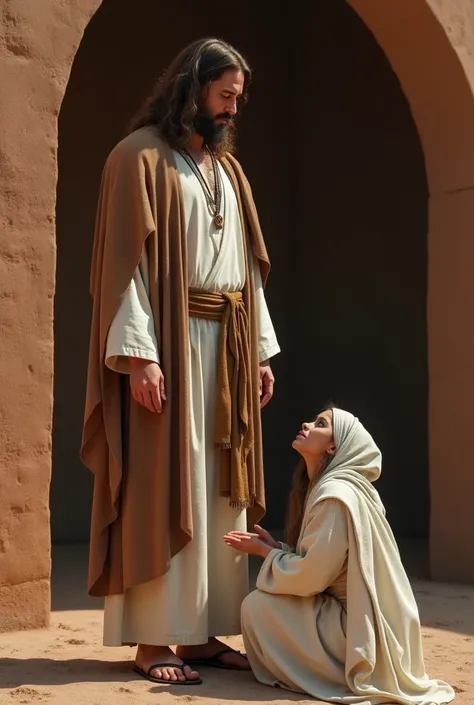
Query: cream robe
x=337, y=618
x=294, y=624
x=202, y=593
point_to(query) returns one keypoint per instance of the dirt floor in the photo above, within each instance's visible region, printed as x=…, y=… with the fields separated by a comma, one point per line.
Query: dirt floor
x=67, y=664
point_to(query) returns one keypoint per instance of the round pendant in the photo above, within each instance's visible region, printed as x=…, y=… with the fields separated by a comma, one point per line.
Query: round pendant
x=218, y=221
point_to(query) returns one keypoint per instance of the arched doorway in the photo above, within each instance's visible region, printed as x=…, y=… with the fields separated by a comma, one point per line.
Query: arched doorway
x=333, y=156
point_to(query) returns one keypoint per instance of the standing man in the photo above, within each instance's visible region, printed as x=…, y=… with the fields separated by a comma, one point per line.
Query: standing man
x=178, y=370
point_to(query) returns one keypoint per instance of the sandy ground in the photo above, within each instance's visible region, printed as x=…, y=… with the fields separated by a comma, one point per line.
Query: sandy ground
x=67, y=665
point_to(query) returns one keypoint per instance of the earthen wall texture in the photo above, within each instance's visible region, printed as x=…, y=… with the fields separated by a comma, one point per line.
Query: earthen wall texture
x=38, y=41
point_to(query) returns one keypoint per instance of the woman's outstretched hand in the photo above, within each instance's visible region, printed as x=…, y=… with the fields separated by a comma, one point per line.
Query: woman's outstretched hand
x=258, y=544
x=246, y=542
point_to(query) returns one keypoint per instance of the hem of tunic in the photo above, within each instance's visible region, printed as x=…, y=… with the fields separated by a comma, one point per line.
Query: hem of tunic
x=174, y=639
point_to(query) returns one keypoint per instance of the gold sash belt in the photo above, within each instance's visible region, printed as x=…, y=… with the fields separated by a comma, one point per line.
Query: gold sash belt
x=233, y=426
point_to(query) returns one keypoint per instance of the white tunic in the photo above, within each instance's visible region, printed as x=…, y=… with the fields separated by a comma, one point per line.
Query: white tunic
x=202, y=593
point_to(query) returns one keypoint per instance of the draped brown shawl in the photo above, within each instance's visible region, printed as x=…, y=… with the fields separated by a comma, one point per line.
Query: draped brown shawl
x=141, y=510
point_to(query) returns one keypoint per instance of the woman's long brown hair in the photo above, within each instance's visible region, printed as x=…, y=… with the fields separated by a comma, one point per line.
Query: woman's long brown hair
x=296, y=503
x=301, y=487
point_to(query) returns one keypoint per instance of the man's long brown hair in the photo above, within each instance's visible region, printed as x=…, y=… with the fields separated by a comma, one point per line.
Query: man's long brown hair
x=176, y=98
x=300, y=490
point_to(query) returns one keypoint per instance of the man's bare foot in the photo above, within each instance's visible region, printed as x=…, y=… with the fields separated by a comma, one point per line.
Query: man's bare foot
x=206, y=652
x=147, y=656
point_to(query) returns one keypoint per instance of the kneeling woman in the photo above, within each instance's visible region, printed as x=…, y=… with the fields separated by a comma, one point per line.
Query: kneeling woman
x=335, y=616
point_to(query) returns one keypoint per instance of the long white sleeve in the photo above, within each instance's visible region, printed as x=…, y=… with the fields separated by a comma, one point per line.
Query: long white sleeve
x=268, y=343
x=132, y=332
x=321, y=557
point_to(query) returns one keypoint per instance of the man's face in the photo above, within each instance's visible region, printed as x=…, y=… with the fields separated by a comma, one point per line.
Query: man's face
x=219, y=106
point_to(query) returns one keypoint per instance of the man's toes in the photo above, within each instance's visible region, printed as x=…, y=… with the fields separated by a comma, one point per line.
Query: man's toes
x=171, y=673
x=179, y=675
x=190, y=674
x=166, y=674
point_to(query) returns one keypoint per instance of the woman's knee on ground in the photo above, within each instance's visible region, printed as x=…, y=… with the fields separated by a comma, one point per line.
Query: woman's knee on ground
x=251, y=605
x=256, y=605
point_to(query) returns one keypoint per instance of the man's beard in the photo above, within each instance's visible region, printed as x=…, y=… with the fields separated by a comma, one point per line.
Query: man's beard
x=214, y=134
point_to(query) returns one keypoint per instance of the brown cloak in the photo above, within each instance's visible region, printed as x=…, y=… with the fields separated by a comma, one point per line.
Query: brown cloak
x=141, y=511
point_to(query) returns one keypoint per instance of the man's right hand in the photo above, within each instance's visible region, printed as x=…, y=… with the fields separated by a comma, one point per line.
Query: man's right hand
x=147, y=384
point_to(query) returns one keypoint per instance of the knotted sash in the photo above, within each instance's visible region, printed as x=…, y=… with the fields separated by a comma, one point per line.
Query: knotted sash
x=233, y=421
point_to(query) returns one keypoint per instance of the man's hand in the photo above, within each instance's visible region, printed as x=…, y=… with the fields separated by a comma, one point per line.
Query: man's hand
x=267, y=380
x=147, y=384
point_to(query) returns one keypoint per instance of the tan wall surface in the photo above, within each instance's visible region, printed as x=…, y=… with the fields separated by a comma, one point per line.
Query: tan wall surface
x=450, y=308
x=37, y=44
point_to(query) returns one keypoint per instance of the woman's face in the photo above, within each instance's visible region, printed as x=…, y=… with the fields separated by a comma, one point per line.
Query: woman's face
x=315, y=439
